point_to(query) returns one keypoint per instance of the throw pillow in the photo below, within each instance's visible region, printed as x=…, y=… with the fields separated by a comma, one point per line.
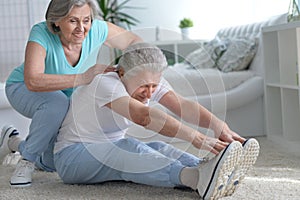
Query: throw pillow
x=201, y=58
x=238, y=55
x=207, y=55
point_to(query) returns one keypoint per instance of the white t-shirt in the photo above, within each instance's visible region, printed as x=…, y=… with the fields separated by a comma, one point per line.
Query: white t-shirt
x=89, y=120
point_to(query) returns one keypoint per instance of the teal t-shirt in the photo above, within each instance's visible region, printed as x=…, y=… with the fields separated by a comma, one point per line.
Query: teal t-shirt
x=56, y=61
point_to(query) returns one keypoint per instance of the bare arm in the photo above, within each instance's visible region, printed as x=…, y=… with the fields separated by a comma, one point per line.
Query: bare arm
x=36, y=80
x=195, y=113
x=159, y=121
x=34, y=66
x=120, y=38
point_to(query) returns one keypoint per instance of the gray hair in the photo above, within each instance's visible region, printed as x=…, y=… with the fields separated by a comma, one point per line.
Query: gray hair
x=140, y=57
x=59, y=9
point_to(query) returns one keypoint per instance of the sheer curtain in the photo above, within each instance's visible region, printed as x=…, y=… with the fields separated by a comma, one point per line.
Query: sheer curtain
x=17, y=17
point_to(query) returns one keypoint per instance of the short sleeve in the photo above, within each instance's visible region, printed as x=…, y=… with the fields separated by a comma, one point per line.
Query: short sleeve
x=163, y=88
x=40, y=34
x=99, y=30
x=106, y=88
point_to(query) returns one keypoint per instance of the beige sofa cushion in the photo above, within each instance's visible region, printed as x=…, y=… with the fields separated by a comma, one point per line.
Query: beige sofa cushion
x=238, y=54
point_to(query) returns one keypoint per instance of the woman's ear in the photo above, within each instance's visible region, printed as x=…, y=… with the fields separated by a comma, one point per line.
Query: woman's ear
x=121, y=71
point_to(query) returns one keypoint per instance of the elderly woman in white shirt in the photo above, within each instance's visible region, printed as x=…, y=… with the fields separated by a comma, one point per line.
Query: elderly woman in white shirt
x=91, y=147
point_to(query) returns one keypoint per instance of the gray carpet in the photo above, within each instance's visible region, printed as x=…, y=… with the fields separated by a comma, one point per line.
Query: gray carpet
x=276, y=175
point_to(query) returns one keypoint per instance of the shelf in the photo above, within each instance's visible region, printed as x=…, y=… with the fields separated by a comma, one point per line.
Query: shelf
x=282, y=92
x=281, y=56
x=275, y=28
x=273, y=114
x=287, y=48
x=176, y=50
x=293, y=87
x=167, y=42
x=290, y=114
x=271, y=55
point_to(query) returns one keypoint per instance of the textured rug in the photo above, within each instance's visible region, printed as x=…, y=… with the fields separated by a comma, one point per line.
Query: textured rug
x=276, y=175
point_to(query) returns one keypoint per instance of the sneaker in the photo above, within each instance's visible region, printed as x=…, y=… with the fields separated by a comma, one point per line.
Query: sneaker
x=248, y=159
x=214, y=174
x=22, y=175
x=7, y=131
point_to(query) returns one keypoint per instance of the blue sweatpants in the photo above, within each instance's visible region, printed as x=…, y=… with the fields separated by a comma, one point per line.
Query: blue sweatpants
x=47, y=111
x=128, y=159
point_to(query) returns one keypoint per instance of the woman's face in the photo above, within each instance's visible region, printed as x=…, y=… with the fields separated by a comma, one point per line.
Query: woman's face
x=143, y=85
x=76, y=25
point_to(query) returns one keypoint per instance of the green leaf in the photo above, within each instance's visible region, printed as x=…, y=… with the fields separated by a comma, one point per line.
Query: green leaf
x=112, y=11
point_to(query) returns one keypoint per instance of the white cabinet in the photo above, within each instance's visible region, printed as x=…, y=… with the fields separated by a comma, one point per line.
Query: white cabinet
x=282, y=103
x=177, y=50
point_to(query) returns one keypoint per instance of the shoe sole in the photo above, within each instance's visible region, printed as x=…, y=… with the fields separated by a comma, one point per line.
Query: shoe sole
x=248, y=159
x=22, y=176
x=223, y=169
x=4, y=131
x=20, y=185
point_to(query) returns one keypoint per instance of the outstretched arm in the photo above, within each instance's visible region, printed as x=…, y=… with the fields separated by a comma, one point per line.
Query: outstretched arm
x=195, y=113
x=159, y=121
x=120, y=38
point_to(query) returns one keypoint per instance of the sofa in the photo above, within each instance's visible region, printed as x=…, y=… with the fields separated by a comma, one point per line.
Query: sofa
x=237, y=97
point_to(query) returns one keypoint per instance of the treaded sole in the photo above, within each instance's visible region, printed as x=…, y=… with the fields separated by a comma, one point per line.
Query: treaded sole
x=248, y=159
x=223, y=169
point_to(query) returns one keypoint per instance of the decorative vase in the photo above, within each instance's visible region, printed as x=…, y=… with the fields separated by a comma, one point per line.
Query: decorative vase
x=185, y=33
x=293, y=13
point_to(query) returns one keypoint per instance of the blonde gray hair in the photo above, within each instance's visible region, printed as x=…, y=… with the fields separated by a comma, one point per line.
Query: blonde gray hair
x=142, y=57
x=58, y=9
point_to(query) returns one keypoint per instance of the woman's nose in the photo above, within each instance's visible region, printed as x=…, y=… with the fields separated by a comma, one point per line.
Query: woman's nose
x=149, y=92
x=80, y=26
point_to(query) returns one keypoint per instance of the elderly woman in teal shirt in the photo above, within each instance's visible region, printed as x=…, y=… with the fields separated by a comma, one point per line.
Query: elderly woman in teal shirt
x=60, y=55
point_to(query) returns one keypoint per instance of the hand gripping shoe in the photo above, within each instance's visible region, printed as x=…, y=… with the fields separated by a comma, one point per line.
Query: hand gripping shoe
x=214, y=174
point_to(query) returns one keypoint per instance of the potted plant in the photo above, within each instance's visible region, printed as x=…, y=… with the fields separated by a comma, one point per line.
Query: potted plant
x=185, y=24
x=112, y=11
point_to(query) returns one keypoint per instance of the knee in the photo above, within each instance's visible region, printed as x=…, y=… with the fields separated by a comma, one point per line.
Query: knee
x=129, y=144
x=157, y=144
x=58, y=107
x=61, y=103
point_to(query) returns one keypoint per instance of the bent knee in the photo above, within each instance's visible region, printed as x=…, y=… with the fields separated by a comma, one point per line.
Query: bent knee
x=157, y=144
x=128, y=142
x=57, y=107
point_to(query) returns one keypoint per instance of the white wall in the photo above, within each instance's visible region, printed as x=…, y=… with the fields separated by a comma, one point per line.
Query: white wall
x=208, y=16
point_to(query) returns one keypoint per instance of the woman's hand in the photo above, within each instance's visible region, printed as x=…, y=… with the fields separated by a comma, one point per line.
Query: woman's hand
x=93, y=71
x=227, y=135
x=213, y=145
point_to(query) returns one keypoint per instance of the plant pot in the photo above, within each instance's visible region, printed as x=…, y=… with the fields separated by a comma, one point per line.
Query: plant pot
x=185, y=33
